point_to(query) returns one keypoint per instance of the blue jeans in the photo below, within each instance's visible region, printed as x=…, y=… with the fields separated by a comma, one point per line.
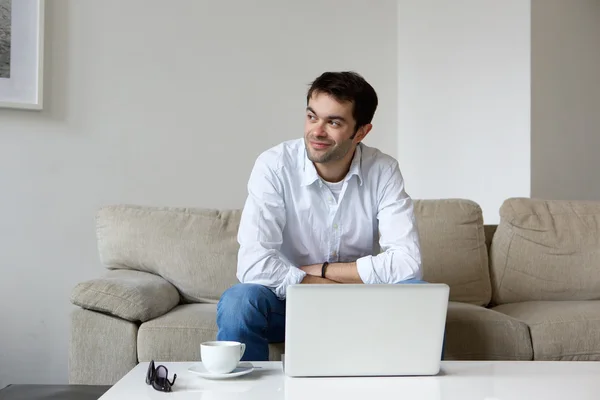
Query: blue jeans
x=252, y=314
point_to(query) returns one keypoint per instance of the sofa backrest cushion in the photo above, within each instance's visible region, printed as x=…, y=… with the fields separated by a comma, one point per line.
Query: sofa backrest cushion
x=453, y=248
x=546, y=250
x=196, y=249
x=193, y=249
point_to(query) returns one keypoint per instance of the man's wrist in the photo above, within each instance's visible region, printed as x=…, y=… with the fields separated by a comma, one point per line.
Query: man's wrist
x=344, y=273
x=313, y=269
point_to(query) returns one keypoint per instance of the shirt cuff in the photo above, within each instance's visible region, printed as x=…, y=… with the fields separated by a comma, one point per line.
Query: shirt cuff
x=364, y=267
x=294, y=276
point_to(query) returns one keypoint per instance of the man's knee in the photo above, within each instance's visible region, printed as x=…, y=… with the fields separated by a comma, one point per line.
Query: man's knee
x=242, y=298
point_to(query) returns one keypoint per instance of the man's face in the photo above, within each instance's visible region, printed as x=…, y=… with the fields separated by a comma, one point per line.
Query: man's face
x=329, y=129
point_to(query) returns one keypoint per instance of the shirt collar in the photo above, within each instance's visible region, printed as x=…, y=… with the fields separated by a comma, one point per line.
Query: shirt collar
x=311, y=175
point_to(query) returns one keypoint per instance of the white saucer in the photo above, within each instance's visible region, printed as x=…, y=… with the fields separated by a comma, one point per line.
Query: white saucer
x=242, y=369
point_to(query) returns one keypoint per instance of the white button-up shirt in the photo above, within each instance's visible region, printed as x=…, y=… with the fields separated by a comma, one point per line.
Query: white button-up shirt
x=291, y=219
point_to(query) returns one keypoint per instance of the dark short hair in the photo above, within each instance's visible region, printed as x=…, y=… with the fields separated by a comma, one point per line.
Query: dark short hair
x=348, y=86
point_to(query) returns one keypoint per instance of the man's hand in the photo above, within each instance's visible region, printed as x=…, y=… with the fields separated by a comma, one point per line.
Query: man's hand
x=337, y=272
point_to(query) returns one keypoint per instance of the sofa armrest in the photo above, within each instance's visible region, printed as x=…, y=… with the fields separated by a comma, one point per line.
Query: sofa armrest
x=130, y=295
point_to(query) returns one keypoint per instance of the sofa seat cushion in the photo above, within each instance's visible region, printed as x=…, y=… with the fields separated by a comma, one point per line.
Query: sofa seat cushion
x=177, y=335
x=478, y=333
x=453, y=248
x=560, y=330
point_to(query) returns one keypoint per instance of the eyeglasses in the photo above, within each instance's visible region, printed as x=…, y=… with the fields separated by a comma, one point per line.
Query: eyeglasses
x=158, y=378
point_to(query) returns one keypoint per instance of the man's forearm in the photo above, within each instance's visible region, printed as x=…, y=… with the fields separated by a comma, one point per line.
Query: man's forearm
x=309, y=279
x=336, y=272
x=343, y=273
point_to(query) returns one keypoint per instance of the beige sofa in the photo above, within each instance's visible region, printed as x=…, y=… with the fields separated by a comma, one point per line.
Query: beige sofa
x=523, y=290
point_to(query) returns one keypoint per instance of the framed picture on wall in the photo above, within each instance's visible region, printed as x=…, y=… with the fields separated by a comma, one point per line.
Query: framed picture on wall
x=21, y=53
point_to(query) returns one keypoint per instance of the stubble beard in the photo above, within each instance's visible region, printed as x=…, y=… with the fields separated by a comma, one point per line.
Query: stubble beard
x=334, y=153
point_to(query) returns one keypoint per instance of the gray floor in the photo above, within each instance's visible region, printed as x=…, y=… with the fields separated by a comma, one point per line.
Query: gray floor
x=52, y=392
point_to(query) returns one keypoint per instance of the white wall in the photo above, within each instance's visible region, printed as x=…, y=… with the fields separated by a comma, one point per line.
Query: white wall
x=156, y=104
x=565, y=117
x=464, y=99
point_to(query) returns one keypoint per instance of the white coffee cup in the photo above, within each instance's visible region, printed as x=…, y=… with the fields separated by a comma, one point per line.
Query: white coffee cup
x=221, y=357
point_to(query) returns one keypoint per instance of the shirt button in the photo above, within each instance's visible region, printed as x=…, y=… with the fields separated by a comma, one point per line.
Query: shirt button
x=333, y=254
x=335, y=226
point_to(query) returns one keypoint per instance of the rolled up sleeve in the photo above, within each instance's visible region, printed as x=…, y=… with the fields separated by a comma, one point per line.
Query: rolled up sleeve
x=260, y=234
x=400, y=258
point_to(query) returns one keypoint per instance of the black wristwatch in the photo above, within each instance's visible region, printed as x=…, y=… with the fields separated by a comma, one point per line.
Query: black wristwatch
x=323, y=268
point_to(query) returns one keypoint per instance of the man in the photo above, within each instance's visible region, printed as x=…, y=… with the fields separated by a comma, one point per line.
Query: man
x=325, y=209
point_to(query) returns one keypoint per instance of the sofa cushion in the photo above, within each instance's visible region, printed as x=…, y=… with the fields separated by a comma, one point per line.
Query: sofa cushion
x=560, y=330
x=177, y=335
x=546, y=250
x=478, y=333
x=194, y=249
x=453, y=248
x=131, y=295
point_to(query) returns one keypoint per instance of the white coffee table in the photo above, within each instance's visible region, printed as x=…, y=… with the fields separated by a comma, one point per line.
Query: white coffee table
x=459, y=380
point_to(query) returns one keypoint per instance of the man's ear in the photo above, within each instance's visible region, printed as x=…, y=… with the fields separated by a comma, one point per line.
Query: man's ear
x=362, y=132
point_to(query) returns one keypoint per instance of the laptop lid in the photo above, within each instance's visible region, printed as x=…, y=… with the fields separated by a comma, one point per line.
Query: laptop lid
x=365, y=330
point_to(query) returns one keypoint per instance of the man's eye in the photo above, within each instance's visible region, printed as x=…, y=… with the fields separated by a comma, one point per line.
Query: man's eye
x=334, y=123
x=311, y=117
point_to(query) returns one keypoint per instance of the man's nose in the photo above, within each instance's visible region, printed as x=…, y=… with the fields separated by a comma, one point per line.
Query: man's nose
x=319, y=129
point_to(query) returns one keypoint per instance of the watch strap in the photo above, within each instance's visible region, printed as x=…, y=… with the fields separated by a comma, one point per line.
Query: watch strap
x=323, y=268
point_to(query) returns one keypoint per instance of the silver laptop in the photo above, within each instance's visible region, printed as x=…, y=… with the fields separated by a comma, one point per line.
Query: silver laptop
x=364, y=330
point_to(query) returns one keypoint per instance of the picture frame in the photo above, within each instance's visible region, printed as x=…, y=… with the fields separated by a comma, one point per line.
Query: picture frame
x=21, y=54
